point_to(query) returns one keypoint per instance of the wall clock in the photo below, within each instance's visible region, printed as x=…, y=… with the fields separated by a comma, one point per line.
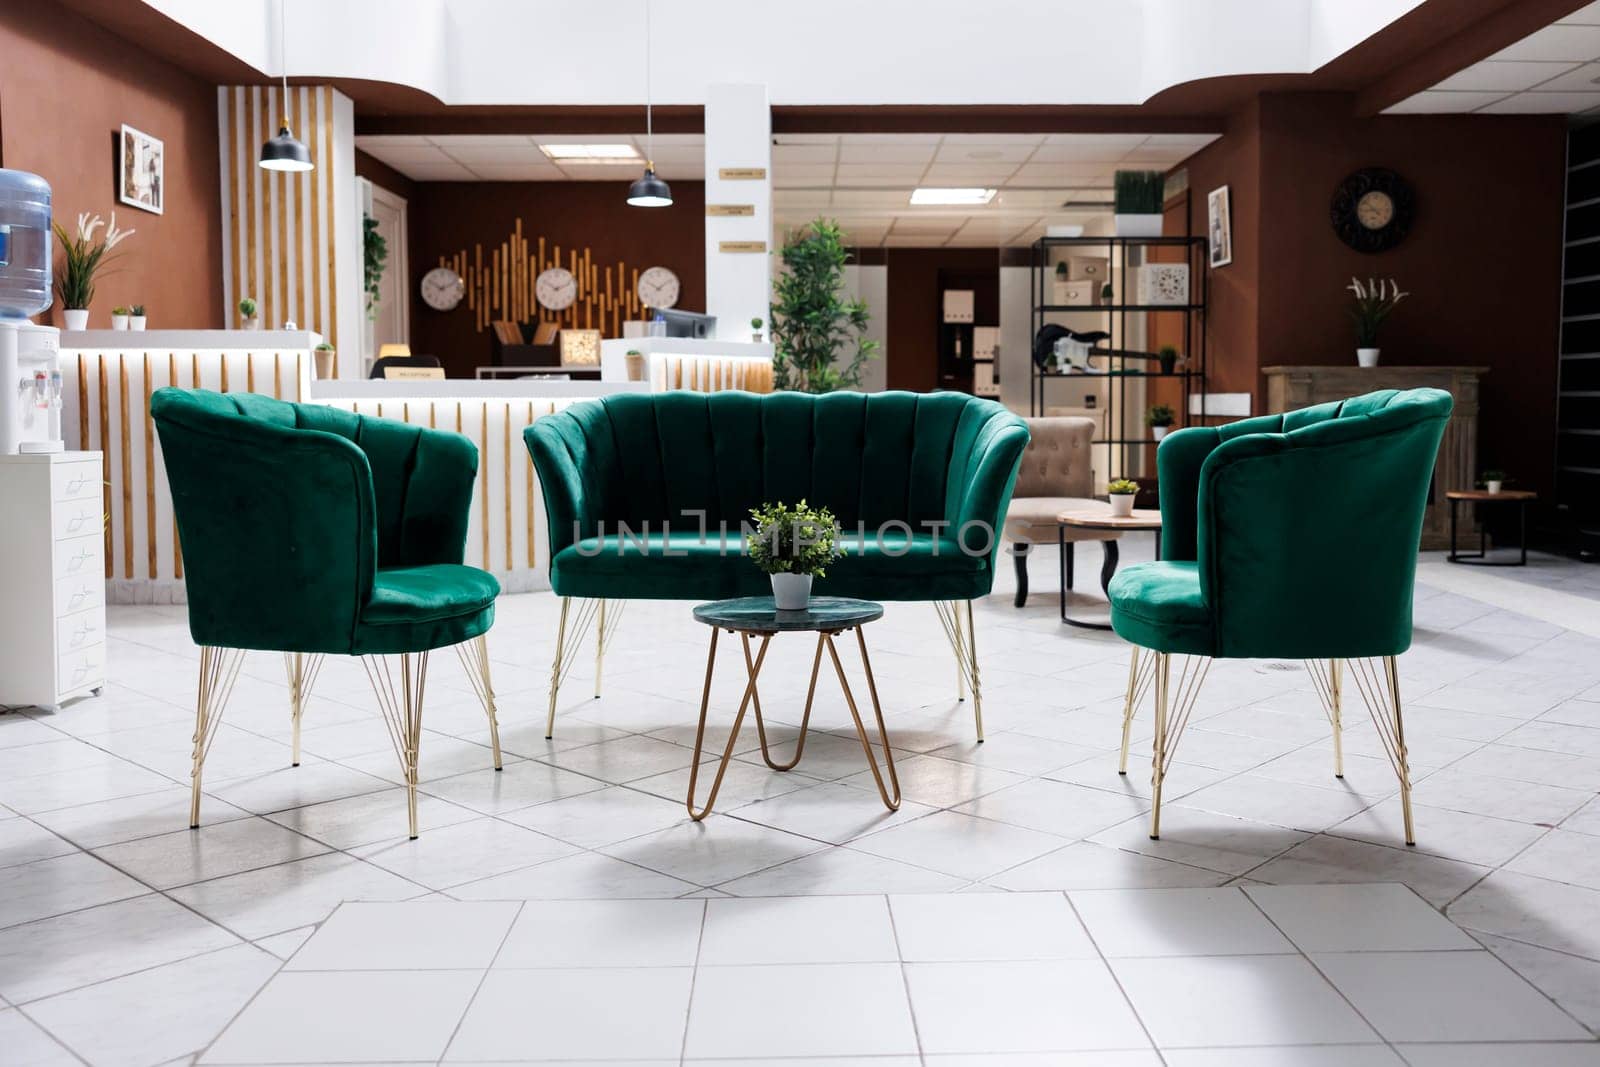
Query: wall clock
x=442, y=289
x=556, y=289
x=1373, y=209
x=658, y=288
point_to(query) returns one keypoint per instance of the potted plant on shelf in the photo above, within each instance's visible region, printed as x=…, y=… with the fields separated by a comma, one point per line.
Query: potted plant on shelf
x=792, y=545
x=119, y=317
x=1106, y=293
x=635, y=360
x=1139, y=195
x=247, y=314
x=813, y=325
x=1122, y=492
x=325, y=361
x=83, y=258
x=1374, y=302
x=1160, y=418
x=1167, y=356
x=755, y=326
x=1493, y=480
x=136, y=317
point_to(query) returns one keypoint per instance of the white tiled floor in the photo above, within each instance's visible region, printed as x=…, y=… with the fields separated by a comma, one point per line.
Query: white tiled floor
x=1014, y=910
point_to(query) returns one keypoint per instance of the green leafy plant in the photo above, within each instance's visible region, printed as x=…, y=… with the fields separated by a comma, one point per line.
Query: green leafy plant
x=1061, y=271
x=84, y=258
x=633, y=352
x=1122, y=487
x=813, y=326
x=755, y=324
x=375, y=253
x=1106, y=292
x=1168, y=357
x=120, y=309
x=793, y=540
x=323, y=346
x=247, y=307
x=1375, y=301
x=1160, y=415
x=1492, y=475
x=1139, y=192
x=138, y=311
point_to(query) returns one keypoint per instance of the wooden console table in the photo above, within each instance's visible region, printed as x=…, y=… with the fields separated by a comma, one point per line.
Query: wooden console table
x=1457, y=467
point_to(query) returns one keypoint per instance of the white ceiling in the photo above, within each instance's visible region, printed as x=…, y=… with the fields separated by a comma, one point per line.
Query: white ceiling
x=1555, y=70
x=863, y=180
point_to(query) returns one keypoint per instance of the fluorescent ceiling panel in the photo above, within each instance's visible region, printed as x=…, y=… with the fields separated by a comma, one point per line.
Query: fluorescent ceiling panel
x=594, y=152
x=970, y=196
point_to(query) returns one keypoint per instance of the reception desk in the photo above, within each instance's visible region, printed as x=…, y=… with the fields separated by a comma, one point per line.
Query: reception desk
x=689, y=363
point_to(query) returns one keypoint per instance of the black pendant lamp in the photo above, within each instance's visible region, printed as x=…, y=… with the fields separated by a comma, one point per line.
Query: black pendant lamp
x=284, y=152
x=650, y=190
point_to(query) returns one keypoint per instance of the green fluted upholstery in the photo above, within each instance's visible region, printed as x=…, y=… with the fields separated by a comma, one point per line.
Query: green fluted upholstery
x=309, y=529
x=928, y=465
x=1289, y=536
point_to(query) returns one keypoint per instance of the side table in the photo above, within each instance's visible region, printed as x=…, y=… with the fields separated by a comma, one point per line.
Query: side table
x=1102, y=519
x=826, y=616
x=1480, y=558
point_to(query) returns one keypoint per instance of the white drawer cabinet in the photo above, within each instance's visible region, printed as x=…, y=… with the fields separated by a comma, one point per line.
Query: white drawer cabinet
x=52, y=578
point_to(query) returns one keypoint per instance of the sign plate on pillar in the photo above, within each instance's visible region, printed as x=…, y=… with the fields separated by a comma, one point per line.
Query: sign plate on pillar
x=742, y=174
x=741, y=246
x=723, y=210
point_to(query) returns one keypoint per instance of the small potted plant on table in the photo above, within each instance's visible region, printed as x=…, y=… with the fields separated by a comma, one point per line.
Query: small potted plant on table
x=792, y=545
x=83, y=258
x=1493, y=480
x=635, y=362
x=755, y=326
x=247, y=314
x=136, y=318
x=1160, y=418
x=119, y=317
x=1122, y=492
x=323, y=358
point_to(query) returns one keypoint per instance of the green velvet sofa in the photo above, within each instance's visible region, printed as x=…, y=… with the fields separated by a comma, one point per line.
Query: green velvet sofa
x=638, y=490
x=1289, y=536
x=312, y=531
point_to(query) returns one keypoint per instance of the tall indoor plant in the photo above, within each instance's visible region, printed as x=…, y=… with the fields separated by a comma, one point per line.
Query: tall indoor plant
x=83, y=259
x=813, y=326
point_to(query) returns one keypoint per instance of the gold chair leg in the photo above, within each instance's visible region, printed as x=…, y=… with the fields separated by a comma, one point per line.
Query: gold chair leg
x=1381, y=694
x=474, y=656
x=1127, y=710
x=302, y=669
x=877, y=712
x=600, y=649
x=555, y=669
x=219, y=669
x=400, y=702
x=972, y=667
x=1402, y=758
x=805, y=719
x=1336, y=709
x=1173, y=707
x=733, y=735
x=1159, y=743
x=959, y=644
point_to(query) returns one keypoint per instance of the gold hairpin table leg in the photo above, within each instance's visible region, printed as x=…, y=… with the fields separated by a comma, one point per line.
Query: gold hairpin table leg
x=877, y=713
x=733, y=735
x=805, y=719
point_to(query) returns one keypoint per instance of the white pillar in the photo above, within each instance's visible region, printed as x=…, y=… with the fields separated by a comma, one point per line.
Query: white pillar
x=738, y=207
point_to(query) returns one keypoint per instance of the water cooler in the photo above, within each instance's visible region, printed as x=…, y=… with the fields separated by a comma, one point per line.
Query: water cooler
x=30, y=374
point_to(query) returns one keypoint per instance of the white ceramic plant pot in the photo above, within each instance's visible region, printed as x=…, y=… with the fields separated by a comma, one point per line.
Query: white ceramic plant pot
x=119, y=322
x=252, y=323
x=1138, y=225
x=755, y=338
x=76, y=318
x=1121, y=505
x=1493, y=487
x=136, y=322
x=1158, y=432
x=791, y=591
x=1367, y=357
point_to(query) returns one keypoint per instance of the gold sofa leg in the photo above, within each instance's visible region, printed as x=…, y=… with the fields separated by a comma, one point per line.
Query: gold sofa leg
x=302, y=669
x=555, y=670
x=219, y=669
x=1172, y=715
x=600, y=650
x=1380, y=691
x=400, y=701
x=474, y=657
x=605, y=616
x=964, y=643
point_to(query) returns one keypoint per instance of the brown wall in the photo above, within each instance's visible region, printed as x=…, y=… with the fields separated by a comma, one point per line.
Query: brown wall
x=911, y=338
x=446, y=217
x=1482, y=260
x=66, y=88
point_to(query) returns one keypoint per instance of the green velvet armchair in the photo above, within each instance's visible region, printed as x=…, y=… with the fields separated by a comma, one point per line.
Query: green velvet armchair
x=639, y=489
x=1287, y=536
x=312, y=531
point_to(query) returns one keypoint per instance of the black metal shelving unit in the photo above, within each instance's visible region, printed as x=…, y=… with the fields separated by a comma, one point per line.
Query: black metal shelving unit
x=1125, y=253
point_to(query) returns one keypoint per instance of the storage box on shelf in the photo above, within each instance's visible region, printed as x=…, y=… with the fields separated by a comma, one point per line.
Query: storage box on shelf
x=52, y=531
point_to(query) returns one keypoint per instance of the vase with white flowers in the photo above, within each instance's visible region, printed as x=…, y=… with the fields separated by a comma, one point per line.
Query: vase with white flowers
x=1374, y=302
x=83, y=259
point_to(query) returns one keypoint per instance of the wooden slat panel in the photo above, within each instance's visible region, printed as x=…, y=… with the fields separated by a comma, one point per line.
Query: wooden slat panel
x=105, y=464
x=149, y=475
x=127, y=468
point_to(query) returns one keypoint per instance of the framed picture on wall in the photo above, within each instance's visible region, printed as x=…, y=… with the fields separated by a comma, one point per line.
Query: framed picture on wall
x=1219, y=225
x=141, y=173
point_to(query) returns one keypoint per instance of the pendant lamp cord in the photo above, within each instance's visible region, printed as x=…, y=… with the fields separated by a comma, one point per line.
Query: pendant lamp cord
x=649, y=127
x=283, y=60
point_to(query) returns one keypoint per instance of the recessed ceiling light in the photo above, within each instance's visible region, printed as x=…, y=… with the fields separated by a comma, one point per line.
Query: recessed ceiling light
x=592, y=153
x=951, y=196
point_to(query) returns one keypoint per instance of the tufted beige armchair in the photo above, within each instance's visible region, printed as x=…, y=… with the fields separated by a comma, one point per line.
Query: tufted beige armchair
x=1055, y=475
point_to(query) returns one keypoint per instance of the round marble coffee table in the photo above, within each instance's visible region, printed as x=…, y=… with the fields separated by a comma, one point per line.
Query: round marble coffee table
x=826, y=616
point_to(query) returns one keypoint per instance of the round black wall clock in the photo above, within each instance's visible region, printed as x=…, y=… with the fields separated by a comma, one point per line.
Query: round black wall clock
x=1372, y=209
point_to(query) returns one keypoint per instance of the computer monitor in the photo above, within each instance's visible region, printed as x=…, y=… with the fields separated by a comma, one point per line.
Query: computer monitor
x=688, y=323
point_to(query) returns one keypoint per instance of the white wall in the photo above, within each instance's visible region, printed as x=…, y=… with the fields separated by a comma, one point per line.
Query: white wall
x=738, y=136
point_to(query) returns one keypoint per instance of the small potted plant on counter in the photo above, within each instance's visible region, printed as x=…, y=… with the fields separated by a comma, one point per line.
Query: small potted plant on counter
x=119, y=317
x=792, y=545
x=323, y=357
x=755, y=326
x=1160, y=418
x=635, y=360
x=1493, y=480
x=82, y=259
x=136, y=317
x=1375, y=301
x=1167, y=356
x=247, y=314
x=1139, y=195
x=1122, y=493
